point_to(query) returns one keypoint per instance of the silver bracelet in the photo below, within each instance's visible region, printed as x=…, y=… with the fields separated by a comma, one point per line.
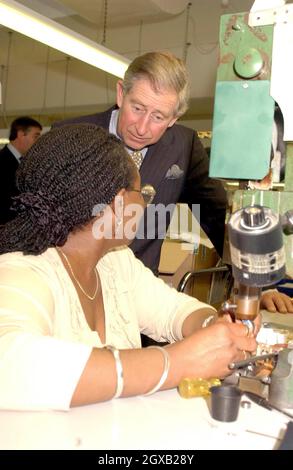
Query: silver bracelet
x=208, y=321
x=119, y=371
x=165, y=371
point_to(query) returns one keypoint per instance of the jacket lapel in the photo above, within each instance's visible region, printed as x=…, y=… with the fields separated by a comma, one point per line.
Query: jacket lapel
x=159, y=158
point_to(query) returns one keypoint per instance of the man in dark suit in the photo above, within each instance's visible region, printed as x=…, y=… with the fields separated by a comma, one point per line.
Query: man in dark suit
x=150, y=99
x=24, y=131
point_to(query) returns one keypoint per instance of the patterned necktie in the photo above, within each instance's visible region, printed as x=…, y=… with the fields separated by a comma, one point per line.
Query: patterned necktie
x=137, y=157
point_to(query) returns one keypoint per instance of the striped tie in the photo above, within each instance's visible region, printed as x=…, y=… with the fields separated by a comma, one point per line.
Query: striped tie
x=137, y=157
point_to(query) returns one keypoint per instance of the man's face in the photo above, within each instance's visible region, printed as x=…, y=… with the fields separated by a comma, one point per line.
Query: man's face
x=28, y=138
x=144, y=114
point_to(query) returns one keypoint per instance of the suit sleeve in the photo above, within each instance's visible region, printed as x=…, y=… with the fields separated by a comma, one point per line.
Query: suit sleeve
x=208, y=192
x=4, y=197
x=7, y=186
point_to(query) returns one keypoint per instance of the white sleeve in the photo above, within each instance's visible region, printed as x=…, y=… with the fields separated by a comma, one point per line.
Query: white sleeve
x=37, y=371
x=161, y=310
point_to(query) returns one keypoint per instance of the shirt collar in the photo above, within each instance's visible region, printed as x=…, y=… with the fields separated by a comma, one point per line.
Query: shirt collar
x=15, y=152
x=113, y=130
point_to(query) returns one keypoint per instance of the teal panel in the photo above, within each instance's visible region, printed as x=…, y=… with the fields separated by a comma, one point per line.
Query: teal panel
x=242, y=130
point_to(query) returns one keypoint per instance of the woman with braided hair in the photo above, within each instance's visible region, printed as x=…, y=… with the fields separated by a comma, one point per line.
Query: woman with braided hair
x=74, y=299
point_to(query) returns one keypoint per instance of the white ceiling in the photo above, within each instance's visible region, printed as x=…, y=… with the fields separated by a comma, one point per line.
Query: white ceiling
x=96, y=15
x=118, y=12
x=123, y=12
x=152, y=23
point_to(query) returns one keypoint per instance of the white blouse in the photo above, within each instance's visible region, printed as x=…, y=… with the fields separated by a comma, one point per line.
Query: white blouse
x=45, y=340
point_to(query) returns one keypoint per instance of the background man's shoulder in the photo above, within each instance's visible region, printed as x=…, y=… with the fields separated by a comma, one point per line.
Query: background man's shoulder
x=99, y=119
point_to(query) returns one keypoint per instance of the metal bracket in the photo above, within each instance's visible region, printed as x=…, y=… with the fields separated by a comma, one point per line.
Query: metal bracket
x=279, y=15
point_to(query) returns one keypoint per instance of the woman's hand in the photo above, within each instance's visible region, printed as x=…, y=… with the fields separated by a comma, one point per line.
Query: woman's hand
x=207, y=352
x=275, y=301
x=224, y=315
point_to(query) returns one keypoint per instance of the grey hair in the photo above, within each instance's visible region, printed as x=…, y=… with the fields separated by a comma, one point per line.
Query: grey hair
x=165, y=72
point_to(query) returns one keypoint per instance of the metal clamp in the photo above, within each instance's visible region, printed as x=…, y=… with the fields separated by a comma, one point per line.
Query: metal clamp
x=190, y=274
x=251, y=360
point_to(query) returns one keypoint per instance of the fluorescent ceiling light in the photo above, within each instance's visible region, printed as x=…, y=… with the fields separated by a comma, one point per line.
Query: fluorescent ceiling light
x=19, y=18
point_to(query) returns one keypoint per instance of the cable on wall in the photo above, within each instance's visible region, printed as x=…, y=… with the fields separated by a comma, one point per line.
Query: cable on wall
x=140, y=37
x=46, y=79
x=186, y=42
x=65, y=84
x=6, y=75
x=105, y=23
x=103, y=42
x=199, y=48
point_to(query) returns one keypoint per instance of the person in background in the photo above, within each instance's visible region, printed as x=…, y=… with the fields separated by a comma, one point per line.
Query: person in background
x=24, y=131
x=74, y=299
x=152, y=96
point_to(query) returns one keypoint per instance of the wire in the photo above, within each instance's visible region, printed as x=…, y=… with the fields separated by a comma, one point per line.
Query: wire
x=46, y=79
x=186, y=42
x=140, y=37
x=65, y=84
x=201, y=49
x=105, y=22
x=5, y=88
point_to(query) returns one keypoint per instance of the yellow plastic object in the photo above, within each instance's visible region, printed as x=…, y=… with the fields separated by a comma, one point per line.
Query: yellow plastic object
x=189, y=388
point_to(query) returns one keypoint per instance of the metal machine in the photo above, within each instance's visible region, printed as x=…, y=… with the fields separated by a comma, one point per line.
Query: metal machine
x=258, y=260
x=254, y=72
x=253, y=77
x=255, y=66
x=257, y=256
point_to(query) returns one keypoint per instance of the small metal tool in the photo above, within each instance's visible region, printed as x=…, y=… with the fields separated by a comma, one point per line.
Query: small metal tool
x=265, y=404
x=250, y=360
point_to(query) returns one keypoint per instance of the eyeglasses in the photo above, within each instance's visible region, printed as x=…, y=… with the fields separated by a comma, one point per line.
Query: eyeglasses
x=148, y=193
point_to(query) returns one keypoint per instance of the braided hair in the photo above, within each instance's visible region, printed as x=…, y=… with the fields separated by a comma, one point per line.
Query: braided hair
x=64, y=177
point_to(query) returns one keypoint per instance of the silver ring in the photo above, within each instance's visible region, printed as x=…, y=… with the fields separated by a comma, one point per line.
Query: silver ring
x=245, y=354
x=249, y=327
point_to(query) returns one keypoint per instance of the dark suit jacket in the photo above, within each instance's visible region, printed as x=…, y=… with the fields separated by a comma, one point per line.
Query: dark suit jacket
x=178, y=146
x=8, y=167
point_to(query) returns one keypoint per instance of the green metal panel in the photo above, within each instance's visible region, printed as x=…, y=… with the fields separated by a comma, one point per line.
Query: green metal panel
x=242, y=130
x=242, y=48
x=243, y=117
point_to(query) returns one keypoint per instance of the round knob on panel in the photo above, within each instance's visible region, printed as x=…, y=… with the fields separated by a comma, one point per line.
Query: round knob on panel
x=248, y=63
